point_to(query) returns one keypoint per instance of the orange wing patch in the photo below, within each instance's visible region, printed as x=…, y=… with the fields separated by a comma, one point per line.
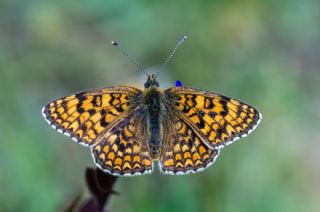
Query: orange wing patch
x=123, y=150
x=184, y=152
x=86, y=115
x=220, y=120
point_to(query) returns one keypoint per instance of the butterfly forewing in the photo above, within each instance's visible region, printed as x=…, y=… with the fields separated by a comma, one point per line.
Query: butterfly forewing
x=86, y=115
x=123, y=149
x=184, y=151
x=220, y=120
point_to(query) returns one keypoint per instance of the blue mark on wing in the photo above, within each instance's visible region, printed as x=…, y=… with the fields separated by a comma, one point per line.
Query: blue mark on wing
x=178, y=83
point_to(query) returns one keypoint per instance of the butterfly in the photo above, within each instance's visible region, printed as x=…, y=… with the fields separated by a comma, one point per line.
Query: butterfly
x=128, y=130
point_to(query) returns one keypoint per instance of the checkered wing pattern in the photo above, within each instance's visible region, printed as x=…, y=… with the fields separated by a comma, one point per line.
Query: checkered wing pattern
x=86, y=116
x=184, y=151
x=217, y=119
x=123, y=149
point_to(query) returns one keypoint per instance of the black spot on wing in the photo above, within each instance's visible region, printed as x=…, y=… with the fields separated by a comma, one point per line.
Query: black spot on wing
x=225, y=108
x=92, y=112
x=219, y=132
x=119, y=109
x=200, y=113
x=79, y=108
x=121, y=147
x=212, y=114
x=201, y=124
x=80, y=96
x=103, y=112
x=96, y=100
x=83, y=127
x=103, y=122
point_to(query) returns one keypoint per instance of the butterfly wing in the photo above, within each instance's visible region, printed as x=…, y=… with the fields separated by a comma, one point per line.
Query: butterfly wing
x=123, y=150
x=218, y=119
x=184, y=151
x=85, y=116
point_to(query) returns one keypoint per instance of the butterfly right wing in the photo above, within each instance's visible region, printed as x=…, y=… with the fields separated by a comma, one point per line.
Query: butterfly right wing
x=85, y=116
x=184, y=151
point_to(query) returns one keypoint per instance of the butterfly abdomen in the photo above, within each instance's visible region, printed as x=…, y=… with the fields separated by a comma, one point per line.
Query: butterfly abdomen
x=152, y=100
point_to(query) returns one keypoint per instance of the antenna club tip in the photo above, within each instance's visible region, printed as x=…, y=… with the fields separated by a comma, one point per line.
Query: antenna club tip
x=182, y=39
x=114, y=43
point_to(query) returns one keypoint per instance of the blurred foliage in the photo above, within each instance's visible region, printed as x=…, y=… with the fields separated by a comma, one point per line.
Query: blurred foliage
x=266, y=53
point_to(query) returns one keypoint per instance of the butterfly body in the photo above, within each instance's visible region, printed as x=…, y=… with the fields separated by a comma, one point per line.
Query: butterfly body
x=128, y=130
x=153, y=102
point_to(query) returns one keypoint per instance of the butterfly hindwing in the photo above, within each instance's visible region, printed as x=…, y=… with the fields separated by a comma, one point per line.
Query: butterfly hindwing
x=123, y=149
x=86, y=115
x=219, y=119
x=184, y=152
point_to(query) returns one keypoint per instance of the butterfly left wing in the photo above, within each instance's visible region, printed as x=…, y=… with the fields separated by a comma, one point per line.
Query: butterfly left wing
x=123, y=149
x=85, y=116
x=218, y=119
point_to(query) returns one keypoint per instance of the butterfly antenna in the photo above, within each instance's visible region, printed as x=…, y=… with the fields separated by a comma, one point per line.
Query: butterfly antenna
x=129, y=57
x=171, y=55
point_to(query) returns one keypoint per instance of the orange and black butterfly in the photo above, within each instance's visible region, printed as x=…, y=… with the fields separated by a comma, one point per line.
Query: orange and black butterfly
x=181, y=129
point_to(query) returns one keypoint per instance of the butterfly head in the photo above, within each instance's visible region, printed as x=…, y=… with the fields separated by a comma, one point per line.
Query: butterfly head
x=151, y=81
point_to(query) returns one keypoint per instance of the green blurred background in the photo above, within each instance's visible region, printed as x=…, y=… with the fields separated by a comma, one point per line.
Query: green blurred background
x=266, y=53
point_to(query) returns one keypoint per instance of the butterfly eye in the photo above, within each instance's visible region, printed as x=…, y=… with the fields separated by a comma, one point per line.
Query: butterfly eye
x=178, y=83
